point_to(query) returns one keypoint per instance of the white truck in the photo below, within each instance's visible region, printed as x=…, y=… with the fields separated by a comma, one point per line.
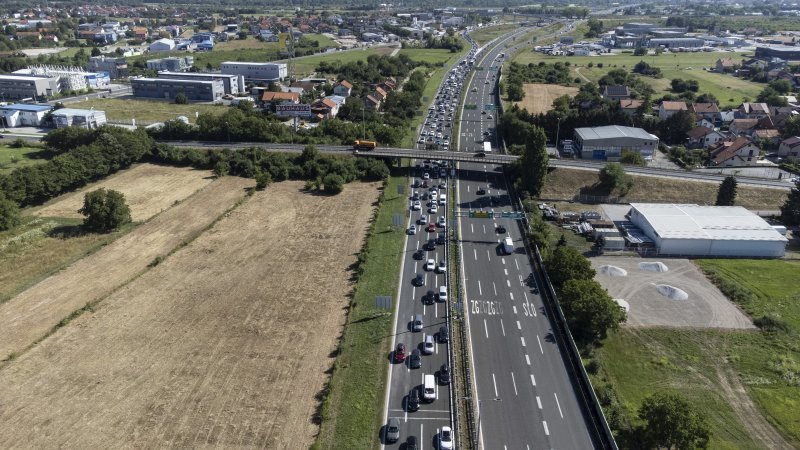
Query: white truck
x=487, y=147
x=508, y=245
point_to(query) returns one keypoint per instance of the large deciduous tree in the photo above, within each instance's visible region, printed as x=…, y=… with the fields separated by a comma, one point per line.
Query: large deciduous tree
x=105, y=210
x=566, y=263
x=533, y=162
x=672, y=422
x=726, y=195
x=589, y=310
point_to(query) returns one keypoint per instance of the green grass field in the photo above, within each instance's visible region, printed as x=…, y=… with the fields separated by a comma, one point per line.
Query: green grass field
x=12, y=158
x=638, y=362
x=730, y=91
x=486, y=34
x=352, y=411
x=147, y=110
x=307, y=64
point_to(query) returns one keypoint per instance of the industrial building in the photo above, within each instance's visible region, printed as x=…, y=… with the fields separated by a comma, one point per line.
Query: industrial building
x=84, y=118
x=173, y=64
x=116, y=67
x=69, y=78
x=255, y=71
x=23, y=115
x=692, y=230
x=18, y=87
x=608, y=143
x=784, y=52
x=164, y=88
x=676, y=42
x=234, y=84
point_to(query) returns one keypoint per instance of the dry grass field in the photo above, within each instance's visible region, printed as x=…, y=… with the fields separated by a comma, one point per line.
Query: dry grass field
x=539, y=96
x=31, y=314
x=148, y=189
x=565, y=184
x=224, y=344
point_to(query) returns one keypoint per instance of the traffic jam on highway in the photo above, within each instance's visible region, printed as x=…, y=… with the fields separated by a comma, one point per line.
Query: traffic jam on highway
x=519, y=387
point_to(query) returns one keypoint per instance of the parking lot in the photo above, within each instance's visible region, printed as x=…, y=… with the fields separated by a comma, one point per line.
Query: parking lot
x=656, y=298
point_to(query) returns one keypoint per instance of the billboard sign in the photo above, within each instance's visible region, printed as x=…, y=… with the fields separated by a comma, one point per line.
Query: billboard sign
x=293, y=110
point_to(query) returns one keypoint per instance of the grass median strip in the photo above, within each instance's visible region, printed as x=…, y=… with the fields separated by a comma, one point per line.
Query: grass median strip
x=351, y=413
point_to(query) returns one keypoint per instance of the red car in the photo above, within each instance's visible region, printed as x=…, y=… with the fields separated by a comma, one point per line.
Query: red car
x=431, y=227
x=400, y=353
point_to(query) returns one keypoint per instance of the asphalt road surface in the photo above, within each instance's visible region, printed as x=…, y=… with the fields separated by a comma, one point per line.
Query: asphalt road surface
x=525, y=398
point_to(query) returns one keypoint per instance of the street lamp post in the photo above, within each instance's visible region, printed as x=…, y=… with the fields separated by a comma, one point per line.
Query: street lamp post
x=558, y=130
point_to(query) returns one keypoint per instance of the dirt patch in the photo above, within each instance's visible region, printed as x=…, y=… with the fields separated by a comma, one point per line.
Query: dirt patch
x=224, y=344
x=28, y=316
x=148, y=189
x=539, y=96
x=652, y=295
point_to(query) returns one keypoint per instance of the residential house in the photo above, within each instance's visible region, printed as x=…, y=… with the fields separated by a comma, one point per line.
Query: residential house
x=325, y=108
x=743, y=127
x=752, y=111
x=268, y=98
x=29, y=34
x=790, y=147
x=703, y=137
x=708, y=111
x=379, y=91
x=739, y=152
x=372, y=102
x=616, y=92
x=724, y=65
x=343, y=88
x=630, y=106
x=667, y=109
x=140, y=33
x=772, y=135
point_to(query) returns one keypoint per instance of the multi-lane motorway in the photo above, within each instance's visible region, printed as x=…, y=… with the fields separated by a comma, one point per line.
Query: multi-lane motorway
x=525, y=397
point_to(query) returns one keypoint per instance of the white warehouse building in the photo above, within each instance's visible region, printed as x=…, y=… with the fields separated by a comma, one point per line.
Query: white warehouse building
x=255, y=71
x=692, y=230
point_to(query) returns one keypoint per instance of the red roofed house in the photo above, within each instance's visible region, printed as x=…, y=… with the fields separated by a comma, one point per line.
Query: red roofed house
x=752, y=111
x=739, y=152
x=140, y=33
x=372, y=102
x=743, y=127
x=708, y=111
x=703, y=137
x=325, y=108
x=630, y=106
x=343, y=88
x=667, y=109
x=790, y=147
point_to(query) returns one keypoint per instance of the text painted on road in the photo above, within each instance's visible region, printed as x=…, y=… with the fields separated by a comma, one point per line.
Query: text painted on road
x=489, y=307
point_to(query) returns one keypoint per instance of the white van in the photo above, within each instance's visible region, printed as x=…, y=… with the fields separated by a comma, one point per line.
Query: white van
x=442, y=199
x=508, y=245
x=429, y=389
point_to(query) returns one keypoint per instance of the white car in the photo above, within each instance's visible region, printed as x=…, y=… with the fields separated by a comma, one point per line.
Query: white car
x=441, y=223
x=442, y=267
x=433, y=209
x=446, y=439
x=428, y=346
x=423, y=219
x=430, y=264
x=426, y=176
x=416, y=206
x=412, y=229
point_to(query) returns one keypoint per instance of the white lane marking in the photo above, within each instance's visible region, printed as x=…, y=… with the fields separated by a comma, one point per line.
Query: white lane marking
x=519, y=326
x=486, y=328
x=471, y=228
x=559, y=406
x=504, y=262
x=502, y=327
x=505, y=270
x=495, y=385
x=523, y=340
x=546, y=431
x=533, y=380
x=540, y=345
x=528, y=359
x=517, y=263
x=484, y=228
x=475, y=252
x=511, y=295
x=508, y=282
x=539, y=402
x=495, y=288
x=514, y=382
x=480, y=291
x=488, y=256
x=515, y=310
x=436, y=309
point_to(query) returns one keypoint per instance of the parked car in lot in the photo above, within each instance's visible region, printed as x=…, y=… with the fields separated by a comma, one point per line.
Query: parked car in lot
x=400, y=352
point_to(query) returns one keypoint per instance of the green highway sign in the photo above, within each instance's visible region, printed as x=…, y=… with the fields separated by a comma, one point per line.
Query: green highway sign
x=481, y=214
x=470, y=106
x=488, y=107
x=479, y=68
x=511, y=215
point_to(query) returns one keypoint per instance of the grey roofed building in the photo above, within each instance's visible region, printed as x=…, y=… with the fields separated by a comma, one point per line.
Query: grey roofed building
x=607, y=143
x=676, y=42
x=234, y=84
x=163, y=88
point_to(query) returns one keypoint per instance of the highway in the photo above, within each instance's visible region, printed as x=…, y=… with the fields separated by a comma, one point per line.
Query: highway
x=524, y=396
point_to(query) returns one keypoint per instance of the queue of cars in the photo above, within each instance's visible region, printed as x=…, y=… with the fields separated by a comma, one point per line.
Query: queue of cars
x=437, y=127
